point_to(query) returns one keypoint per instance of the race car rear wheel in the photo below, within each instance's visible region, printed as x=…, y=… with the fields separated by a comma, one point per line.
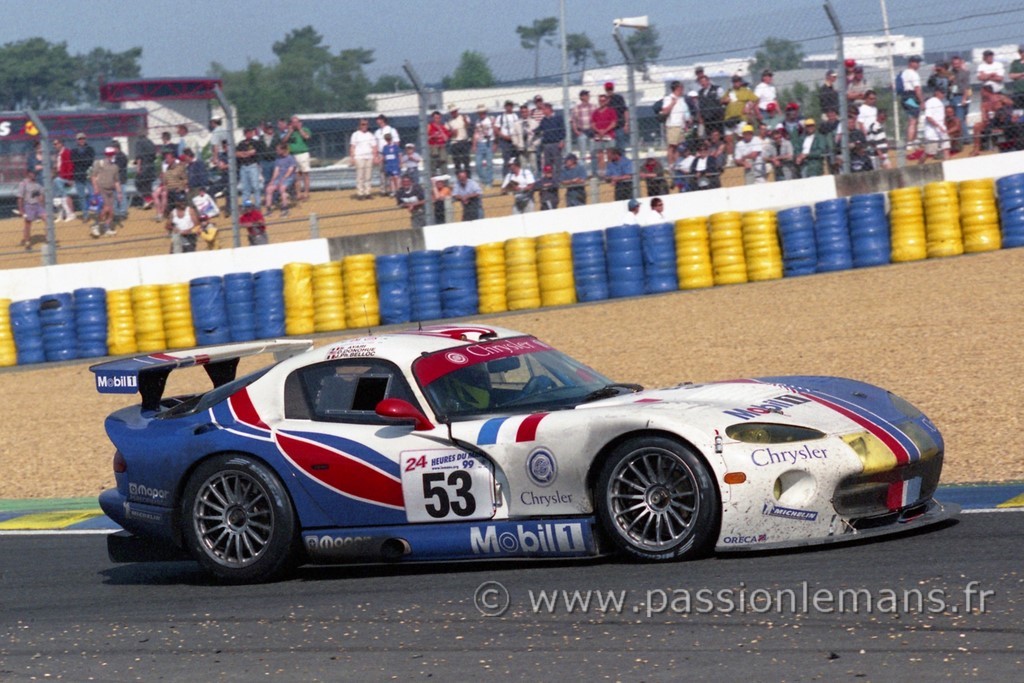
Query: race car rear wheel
x=657, y=501
x=238, y=521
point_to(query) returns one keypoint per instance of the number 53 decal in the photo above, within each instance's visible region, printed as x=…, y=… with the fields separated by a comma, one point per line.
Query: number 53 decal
x=446, y=485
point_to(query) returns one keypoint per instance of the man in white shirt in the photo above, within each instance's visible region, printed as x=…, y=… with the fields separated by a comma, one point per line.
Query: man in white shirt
x=520, y=181
x=384, y=128
x=867, y=113
x=991, y=71
x=676, y=113
x=483, y=145
x=509, y=131
x=936, y=139
x=911, y=102
x=749, y=153
x=766, y=92
x=362, y=150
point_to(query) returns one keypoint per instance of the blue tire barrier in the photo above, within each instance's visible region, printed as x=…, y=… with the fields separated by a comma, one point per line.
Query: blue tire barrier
x=209, y=310
x=57, y=320
x=459, y=294
x=1010, y=193
x=832, y=236
x=425, y=284
x=393, y=293
x=27, y=331
x=240, y=303
x=625, y=257
x=588, y=266
x=659, y=249
x=91, y=321
x=869, y=231
x=799, y=247
x=268, y=294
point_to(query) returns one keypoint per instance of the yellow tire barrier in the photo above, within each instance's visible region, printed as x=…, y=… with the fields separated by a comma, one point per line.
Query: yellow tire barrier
x=176, y=309
x=906, y=219
x=522, y=286
x=490, y=277
x=979, y=216
x=554, y=269
x=359, y=274
x=328, y=297
x=726, y=240
x=8, y=351
x=298, y=298
x=120, y=323
x=761, y=248
x=148, y=316
x=693, y=254
x=942, y=220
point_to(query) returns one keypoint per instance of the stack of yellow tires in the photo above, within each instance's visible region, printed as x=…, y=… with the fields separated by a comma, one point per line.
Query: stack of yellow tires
x=693, y=254
x=177, y=314
x=979, y=216
x=522, y=287
x=8, y=351
x=328, y=297
x=490, y=277
x=120, y=323
x=942, y=220
x=906, y=220
x=298, y=298
x=727, y=257
x=149, y=321
x=761, y=246
x=362, y=307
x=554, y=269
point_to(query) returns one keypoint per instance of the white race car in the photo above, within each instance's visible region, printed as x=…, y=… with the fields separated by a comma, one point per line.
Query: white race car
x=463, y=441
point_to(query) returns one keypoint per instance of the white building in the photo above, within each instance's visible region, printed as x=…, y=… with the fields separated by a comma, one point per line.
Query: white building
x=873, y=51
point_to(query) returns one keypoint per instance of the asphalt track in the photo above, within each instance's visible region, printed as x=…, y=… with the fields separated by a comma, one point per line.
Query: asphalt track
x=67, y=613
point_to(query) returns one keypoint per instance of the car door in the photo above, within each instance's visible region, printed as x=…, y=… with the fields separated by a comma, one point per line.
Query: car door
x=366, y=470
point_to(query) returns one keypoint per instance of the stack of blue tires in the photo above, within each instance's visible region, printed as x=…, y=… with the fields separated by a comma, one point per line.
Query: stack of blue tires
x=659, y=248
x=57, y=317
x=91, y=321
x=832, y=236
x=393, y=289
x=799, y=249
x=588, y=266
x=27, y=331
x=869, y=230
x=425, y=283
x=459, y=295
x=209, y=310
x=625, y=257
x=268, y=294
x=1010, y=191
x=240, y=300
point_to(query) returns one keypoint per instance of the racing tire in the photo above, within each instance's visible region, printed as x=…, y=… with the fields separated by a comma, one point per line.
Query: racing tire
x=238, y=521
x=657, y=501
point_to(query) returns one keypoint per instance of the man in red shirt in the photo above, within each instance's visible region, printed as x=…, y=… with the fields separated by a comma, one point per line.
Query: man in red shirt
x=605, y=120
x=63, y=179
x=437, y=141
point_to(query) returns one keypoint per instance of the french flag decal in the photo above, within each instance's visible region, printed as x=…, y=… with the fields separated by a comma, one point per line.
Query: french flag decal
x=510, y=429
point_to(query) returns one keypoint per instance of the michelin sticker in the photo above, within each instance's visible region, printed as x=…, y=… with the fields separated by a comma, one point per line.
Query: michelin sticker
x=541, y=467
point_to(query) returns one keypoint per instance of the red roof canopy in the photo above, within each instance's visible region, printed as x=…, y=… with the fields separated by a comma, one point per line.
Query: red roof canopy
x=159, y=89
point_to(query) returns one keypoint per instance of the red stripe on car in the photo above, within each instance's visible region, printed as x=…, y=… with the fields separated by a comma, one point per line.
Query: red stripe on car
x=528, y=428
x=342, y=472
x=244, y=410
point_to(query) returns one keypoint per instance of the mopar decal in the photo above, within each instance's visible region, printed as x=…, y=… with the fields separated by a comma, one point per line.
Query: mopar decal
x=772, y=510
x=143, y=491
x=774, y=405
x=508, y=539
x=340, y=547
x=762, y=457
x=541, y=467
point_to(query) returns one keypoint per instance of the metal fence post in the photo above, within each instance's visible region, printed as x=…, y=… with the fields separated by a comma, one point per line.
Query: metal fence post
x=314, y=226
x=428, y=167
x=236, y=236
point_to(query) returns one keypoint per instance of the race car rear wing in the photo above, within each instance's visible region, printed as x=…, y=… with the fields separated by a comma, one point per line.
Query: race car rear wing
x=148, y=374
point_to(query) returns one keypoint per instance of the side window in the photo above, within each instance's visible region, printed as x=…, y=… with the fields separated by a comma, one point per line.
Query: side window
x=344, y=391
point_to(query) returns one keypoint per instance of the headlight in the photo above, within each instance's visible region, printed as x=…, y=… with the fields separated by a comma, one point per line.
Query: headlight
x=905, y=407
x=769, y=432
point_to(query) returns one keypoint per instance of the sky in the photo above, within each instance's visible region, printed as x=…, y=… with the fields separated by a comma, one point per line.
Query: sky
x=182, y=38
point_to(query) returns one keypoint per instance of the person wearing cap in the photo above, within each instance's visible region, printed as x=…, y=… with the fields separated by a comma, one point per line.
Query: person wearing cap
x=653, y=174
x=508, y=130
x=619, y=172
x=1015, y=79
x=183, y=227
x=459, y=136
x=573, y=178
x=483, y=145
x=362, y=150
x=411, y=161
x=82, y=158
x=519, y=180
x=254, y=223
x=828, y=96
x=63, y=179
x=911, y=100
x=766, y=92
x=30, y=199
x=856, y=87
x=675, y=114
x=813, y=150
x=582, y=121
x=740, y=107
x=792, y=122
x=749, y=155
x=548, y=186
x=391, y=163
x=710, y=110
x=106, y=183
x=385, y=128
x=633, y=215
x=468, y=192
x=605, y=120
x=411, y=197
x=618, y=103
x=991, y=71
x=772, y=116
x=778, y=155
x=437, y=142
x=247, y=155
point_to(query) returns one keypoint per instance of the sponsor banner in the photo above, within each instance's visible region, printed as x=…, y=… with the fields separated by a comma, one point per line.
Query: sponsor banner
x=772, y=510
x=527, y=539
x=762, y=457
x=437, y=365
x=744, y=539
x=117, y=382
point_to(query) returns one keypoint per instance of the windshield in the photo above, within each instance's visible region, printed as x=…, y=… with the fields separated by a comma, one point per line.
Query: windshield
x=519, y=375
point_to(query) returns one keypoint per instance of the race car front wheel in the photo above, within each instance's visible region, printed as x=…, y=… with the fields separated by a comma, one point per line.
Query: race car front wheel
x=657, y=501
x=238, y=521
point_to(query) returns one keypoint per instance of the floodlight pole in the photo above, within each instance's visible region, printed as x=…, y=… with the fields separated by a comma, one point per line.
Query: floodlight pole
x=896, y=104
x=844, y=126
x=571, y=142
x=229, y=119
x=428, y=166
x=50, y=252
x=634, y=137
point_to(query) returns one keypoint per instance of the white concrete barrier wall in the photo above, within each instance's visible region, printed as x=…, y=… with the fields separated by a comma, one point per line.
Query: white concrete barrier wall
x=988, y=166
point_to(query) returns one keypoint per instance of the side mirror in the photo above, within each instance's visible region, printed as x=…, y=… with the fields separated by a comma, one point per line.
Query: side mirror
x=397, y=409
